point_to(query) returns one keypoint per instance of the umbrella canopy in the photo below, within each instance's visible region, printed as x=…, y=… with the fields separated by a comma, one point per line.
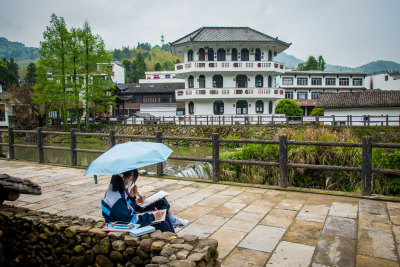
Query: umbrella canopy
x=127, y=156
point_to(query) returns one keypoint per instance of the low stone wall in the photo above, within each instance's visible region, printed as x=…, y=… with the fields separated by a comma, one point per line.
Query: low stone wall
x=41, y=239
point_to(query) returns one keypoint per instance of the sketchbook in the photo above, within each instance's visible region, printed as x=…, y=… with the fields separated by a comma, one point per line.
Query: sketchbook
x=155, y=211
x=142, y=230
x=153, y=198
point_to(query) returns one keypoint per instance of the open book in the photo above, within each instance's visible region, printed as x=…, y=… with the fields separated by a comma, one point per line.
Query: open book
x=155, y=211
x=120, y=227
x=153, y=198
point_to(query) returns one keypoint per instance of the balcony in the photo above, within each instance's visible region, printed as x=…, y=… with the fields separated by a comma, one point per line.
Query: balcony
x=243, y=93
x=221, y=66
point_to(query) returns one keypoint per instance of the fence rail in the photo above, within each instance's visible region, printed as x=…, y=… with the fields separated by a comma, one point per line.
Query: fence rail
x=283, y=143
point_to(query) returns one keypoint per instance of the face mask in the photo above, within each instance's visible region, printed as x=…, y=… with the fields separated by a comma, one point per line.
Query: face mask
x=129, y=185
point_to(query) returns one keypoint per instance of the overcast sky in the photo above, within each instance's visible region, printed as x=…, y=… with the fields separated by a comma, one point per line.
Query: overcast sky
x=344, y=32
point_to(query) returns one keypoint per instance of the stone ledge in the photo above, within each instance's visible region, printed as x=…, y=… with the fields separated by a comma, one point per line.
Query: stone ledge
x=36, y=238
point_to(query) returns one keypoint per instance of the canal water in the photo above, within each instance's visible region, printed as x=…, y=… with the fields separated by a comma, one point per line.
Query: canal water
x=171, y=167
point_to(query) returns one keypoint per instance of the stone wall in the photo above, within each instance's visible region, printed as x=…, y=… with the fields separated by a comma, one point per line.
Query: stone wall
x=41, y=239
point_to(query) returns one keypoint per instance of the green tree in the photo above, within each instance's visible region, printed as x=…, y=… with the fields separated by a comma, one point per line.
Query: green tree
x=289, y=108
x=13, y=67
x=128, y=66
x=144, y=46
x=117, y=54
x=168, y=65
x=317, y=112
x=139, y=68
x=156, y=47
x=157, y=66
x=6, y=76
x=31, y=73
x=166, y=47
x=93, y=52
x=53, y=59
x=321, y=63
x=312, y=64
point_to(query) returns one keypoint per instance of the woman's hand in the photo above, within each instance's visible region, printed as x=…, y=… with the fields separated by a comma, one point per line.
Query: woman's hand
x=158, y=215
x=140, y=199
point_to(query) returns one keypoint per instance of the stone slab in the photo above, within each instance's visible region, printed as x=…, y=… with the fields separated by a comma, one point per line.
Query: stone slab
x=246, y=198
x=194, y=212
x=291, y=254
x=394, y=216
x=262, y=209
x=313, y=213
x=290, y=204
x=243, y=221
x=374, y=207
x=279, y=218
x=365, y=261
x=339, y=226
x=228, y=209
x=343, y=210
x=335, y=251
x=242, y=257
x=215, y=200
x=204, y=226
x=227, y=240
x=304, y=232
x=376, y=244
x=263, y=238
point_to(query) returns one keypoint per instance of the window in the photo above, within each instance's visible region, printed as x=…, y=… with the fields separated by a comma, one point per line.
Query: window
x=357, y=81
x=167, y=76
x=259, y=81
x=330, y=81
x=316, y=81
x=221, y=54
x=386, y=77
x=234, y=54
x=259, y=107
x=202, y=81
x=218, y=108
x=241, y=81
x=302, y=81
x=202, y=54
x=244, y=53
x=190, y=55
x=191, y=108
x=218, y=81
x=344, y=81
x=191, y=82
x=314, y=95
x=269, y=81
x=258, y=55
x=270, y=107
x=287, y=81
x=269, y=55
x=241, y=107
x=302, y=95
x=289, y=95
x=210, y=54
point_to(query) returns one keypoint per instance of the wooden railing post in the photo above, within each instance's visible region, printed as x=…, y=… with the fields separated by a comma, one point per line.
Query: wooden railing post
x=160, y=171
x=283, y=161
x=112, y=138
x=387, y=120
x=1, y=147
x=11, y=150
x=74, y=154
x=40, y=145
x=215, y=157
x=366, y=173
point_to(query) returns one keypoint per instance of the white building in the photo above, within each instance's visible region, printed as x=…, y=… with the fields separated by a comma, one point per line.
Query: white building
x=228, y=71
x=5, y=108
x=386, y=82
x=305, y=86
x=161, y=77
x=372, y=107
x=117, y=72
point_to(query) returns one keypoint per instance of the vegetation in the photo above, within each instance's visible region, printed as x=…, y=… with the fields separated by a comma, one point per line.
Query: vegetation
x=312, y=64
x=329, y=180
x=289, y=108
x=8, y=72
x=66, y=71
x=17, y=51
x=317, y=112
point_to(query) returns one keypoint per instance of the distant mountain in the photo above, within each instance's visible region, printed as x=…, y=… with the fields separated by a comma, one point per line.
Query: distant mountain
x=380, y=66
x=17, y=50
x=289, y=60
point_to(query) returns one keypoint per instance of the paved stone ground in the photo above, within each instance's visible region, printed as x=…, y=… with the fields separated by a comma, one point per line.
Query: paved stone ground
x=254, y=227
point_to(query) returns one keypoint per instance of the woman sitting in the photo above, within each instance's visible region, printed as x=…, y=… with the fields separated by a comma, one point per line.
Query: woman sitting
x=120, y=205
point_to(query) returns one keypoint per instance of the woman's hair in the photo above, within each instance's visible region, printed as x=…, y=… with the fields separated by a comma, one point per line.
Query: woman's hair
x=134, y=172
x=117, y=183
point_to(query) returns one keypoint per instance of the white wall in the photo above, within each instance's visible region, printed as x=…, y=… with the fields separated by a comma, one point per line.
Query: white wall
x=359, y=112
x=228, y=79
x=158, y=110
x=8, y=112
x=380, y=83
x=119, y=74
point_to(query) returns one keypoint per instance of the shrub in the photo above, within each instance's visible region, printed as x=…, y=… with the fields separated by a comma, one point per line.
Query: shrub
x=289, y=108
x=317, y=112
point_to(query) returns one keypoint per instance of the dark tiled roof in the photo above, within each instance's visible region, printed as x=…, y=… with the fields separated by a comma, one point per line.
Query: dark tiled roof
x=227, y=34
x=318, y=72
x=150, y=87
x=370, y=98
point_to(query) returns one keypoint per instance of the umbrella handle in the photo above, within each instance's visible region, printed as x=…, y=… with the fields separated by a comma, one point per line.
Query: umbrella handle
x=95, y=179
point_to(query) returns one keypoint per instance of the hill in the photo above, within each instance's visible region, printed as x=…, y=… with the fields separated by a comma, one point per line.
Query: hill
x=18, y=51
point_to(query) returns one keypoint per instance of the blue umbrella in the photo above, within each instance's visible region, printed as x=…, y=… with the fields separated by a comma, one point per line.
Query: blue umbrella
x=127, y=156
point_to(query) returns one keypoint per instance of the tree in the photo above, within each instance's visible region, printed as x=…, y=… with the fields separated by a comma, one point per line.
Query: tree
x=128, y=70
x=53, y=59
x=144, y=46
x=312, y=64
x=31, y=73
x=139, y=68
x=289, y=108
x=317, y=112
x=6, y=76
x=13, y=67
x=166, y=47
x=156, y=47
x=157, y=66
x=117, y=54
x=168, y=65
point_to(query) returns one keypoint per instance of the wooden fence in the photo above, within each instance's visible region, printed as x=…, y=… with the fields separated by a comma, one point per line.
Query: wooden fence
x=366, y=169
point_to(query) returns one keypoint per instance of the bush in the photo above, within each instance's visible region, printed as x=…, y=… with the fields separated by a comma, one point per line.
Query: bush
x=317, y=112
x=289, y=108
